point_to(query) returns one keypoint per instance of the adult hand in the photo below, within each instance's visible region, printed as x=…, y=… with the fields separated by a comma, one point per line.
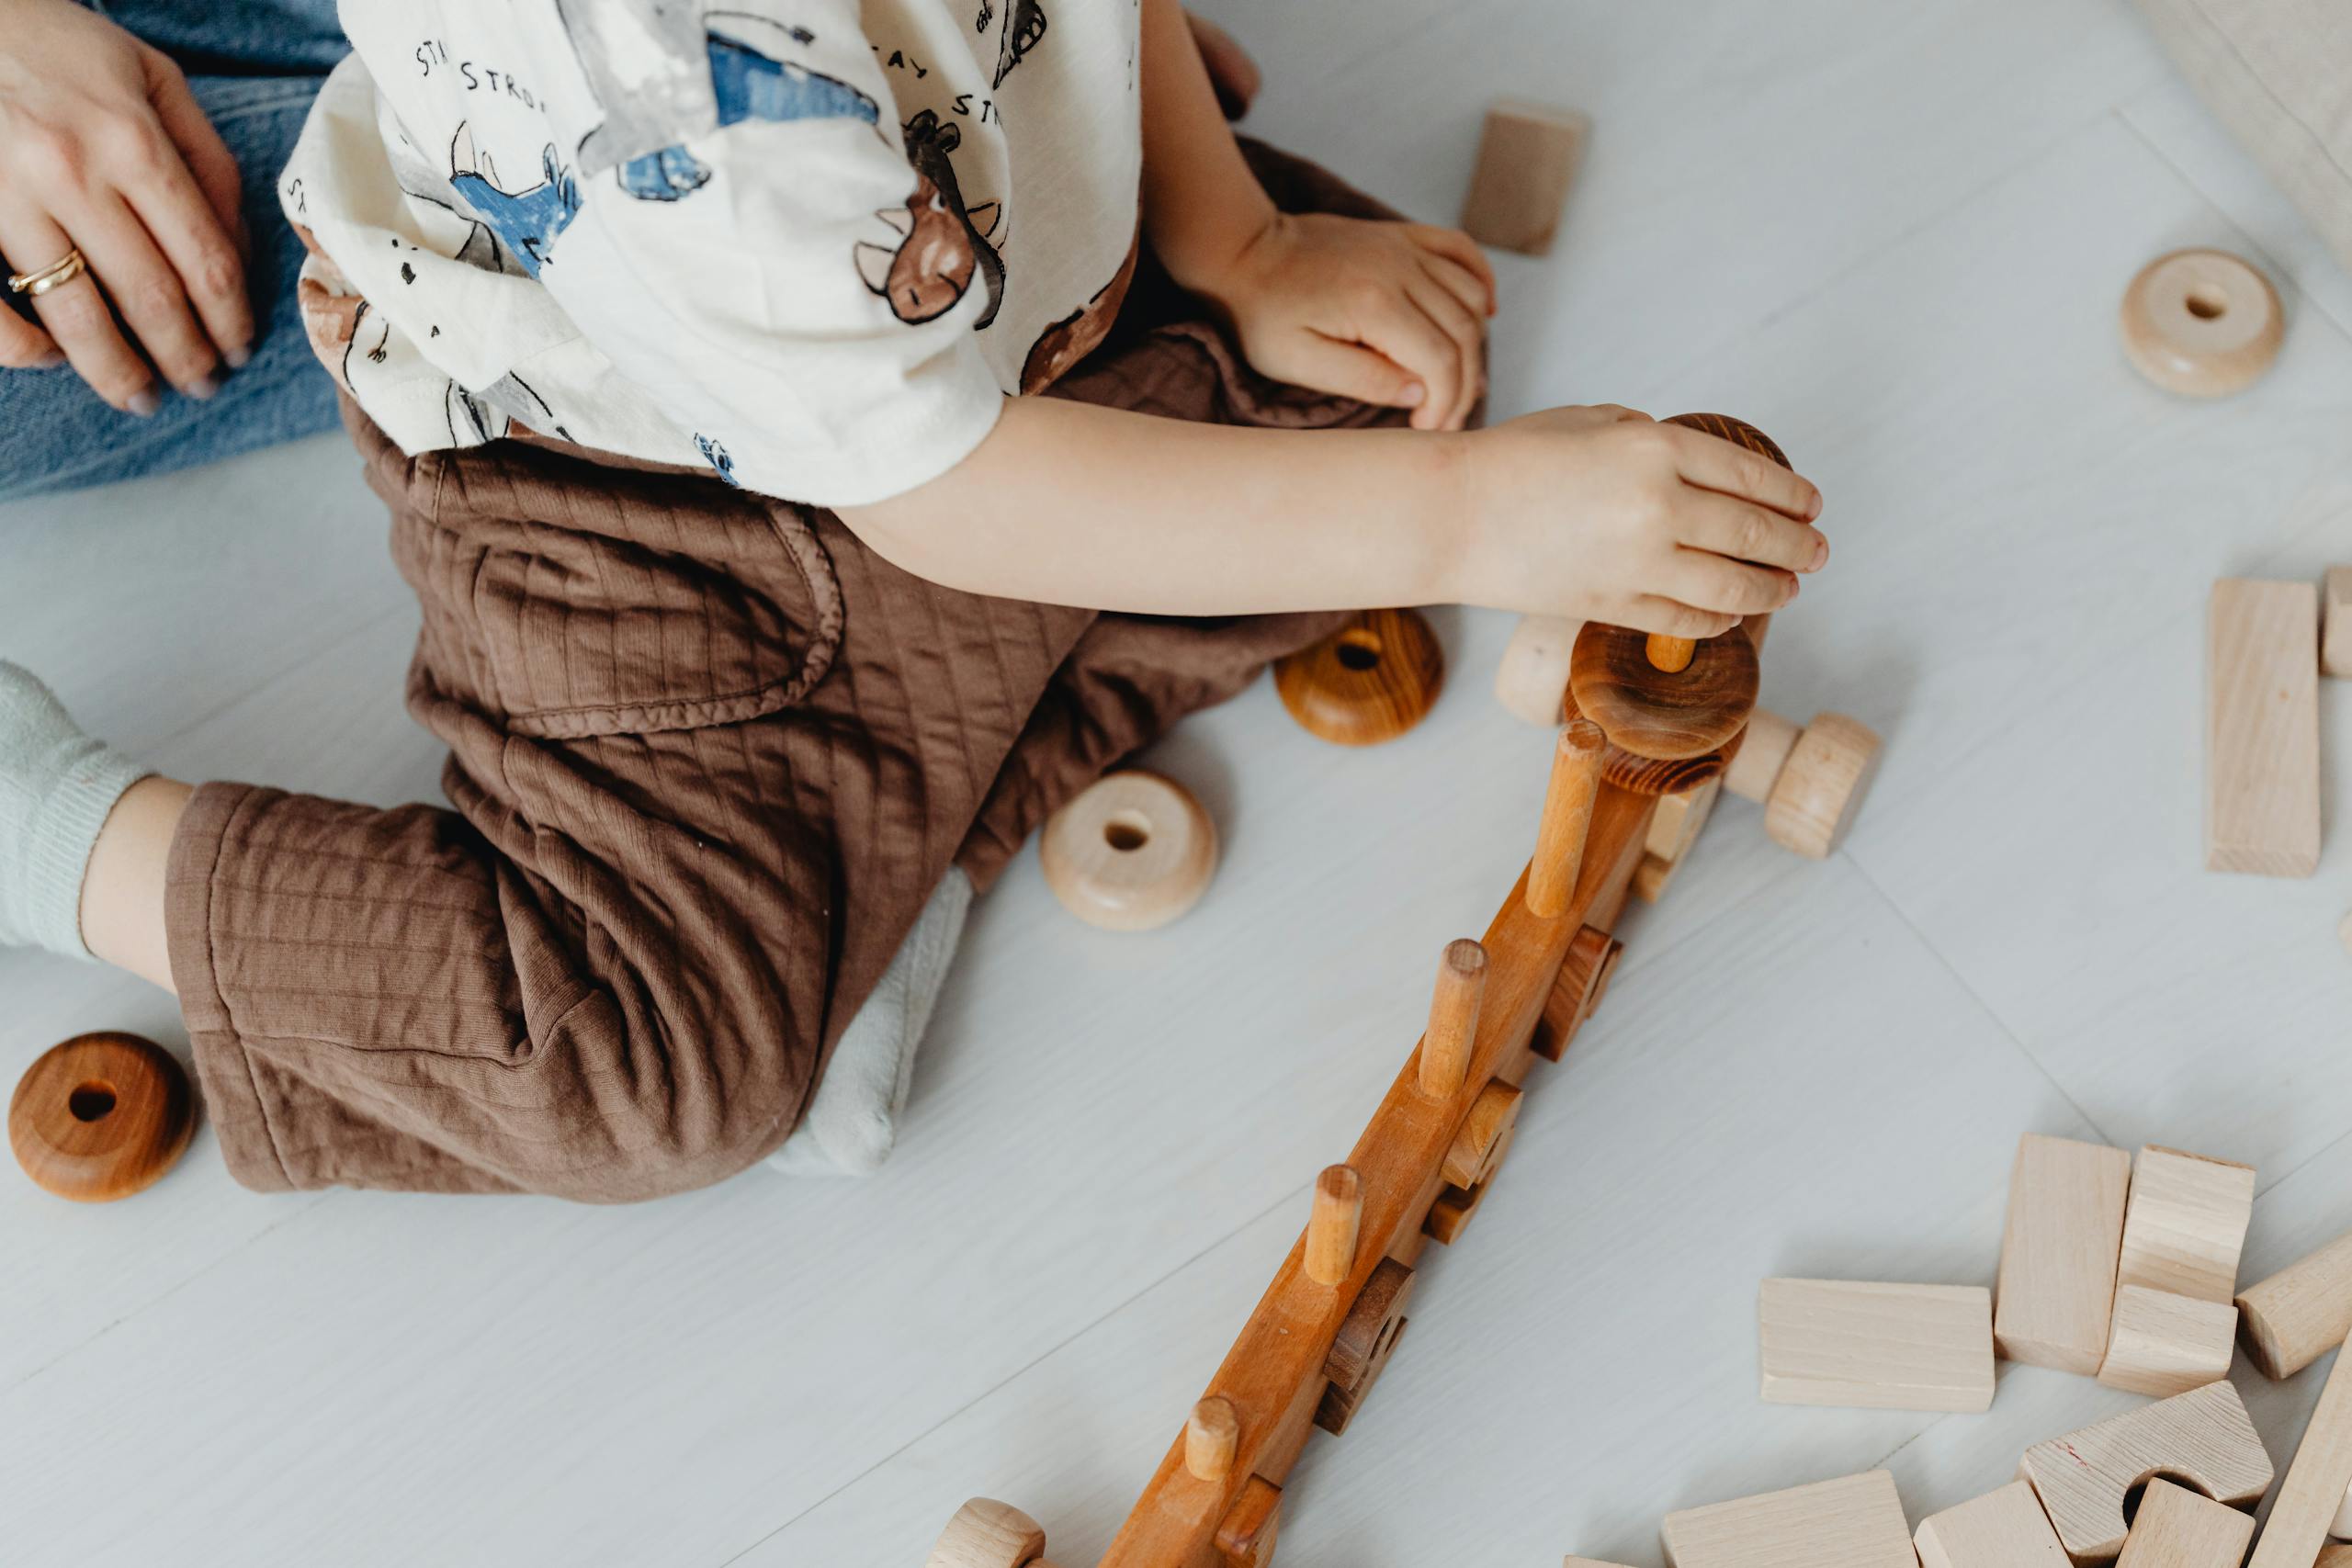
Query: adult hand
x=103, y=148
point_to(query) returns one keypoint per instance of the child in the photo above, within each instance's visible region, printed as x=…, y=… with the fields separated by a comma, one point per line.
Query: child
x=1039, y=359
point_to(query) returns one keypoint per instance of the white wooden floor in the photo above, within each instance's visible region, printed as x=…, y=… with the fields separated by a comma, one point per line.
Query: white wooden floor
x=1894, y=236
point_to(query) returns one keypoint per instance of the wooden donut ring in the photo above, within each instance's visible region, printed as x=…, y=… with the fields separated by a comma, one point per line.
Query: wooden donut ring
x=1132, y=851
x=2203, y=323
x=1371, y=681
x=1657, y=716
x=100, y=1117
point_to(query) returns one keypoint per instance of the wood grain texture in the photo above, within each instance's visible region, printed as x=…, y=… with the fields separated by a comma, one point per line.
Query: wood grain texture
x=2203, y=1437
x=1853, y=1522
x=1492, y=1116
x=1130, y=852
x=1332, y=1224
x=2335, y=622
x=1672, y=832
x=1768, y=741
x=100, y=1117
x=1245, y=1537
x=1210, y=1434
x=2184, y=1225
x=2293, y=1318
x=1528, y=155
x=2317, y=1479
x=2203, y=323
x=1822, y=785
x=2262, y=728
x=1655, y=715
x=1577, y=990
x=1568, y=816
x=2056, y=1287
x=1870, y=1346
x=2001, y=1529
x=1453, y=1018
x=1366, y=1339
x=2179, y=1529
x=1369, y=681
x=2163, y=1344
x=986, y=1533
x=1453, y=1209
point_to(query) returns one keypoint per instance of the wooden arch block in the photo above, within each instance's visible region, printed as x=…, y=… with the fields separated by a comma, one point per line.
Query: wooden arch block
x=2203, y=1437
x=2001, y=1529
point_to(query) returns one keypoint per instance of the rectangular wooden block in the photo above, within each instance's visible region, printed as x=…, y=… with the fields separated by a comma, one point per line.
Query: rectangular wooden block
x=2204, y=1437
x=2316, y=1479
x=2179, y=1529
x=1875, y=1346
x=2186, y=1223
x=2262, y=728
x=2001, y=1529
x=1853, y=1522
x=2335, y=623
x=2056, y=1285
x=2163, y=1344
x=1527, y=159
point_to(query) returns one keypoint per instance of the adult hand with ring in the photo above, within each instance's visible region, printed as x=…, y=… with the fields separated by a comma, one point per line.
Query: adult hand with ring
x=119, y=211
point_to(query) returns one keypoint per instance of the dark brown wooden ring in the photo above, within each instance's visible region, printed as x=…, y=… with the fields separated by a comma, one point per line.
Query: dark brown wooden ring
x=100, y=1117
x=1652, y=713
x=1371, y=681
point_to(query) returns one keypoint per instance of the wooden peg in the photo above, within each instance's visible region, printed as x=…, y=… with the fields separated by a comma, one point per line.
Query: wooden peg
x=100, y=1117
x=2179, y=1529
x=1532, y=679
x=2056, y=1287
x=1528, y=155
x=2298, y=1315
x=2165, y=1344
x=1567, y=815
x=2203, y=1437
x=1130, y=851
x=1863, y=1345
x=1369, y=681
x=1453, y=1018
x=1669, y=655
x=1854, y=1522
x=1374, y=1325
x=1757, y=766
x=2001, y=1529
x=1211, y=1434
x=1245, y=1537
x=1491, y=1117
x=1331, y=1226
x=2203, y=323
x=2262, y=796
x=986, y=1533
x=2316, y=1481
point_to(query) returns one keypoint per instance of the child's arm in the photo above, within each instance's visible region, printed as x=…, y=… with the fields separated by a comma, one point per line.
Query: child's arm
x=1594, y=513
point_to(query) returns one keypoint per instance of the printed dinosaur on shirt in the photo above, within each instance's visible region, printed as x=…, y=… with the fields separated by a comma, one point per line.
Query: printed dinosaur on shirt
x=808, y=243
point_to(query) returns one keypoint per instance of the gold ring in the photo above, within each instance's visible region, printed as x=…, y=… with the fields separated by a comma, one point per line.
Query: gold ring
x=36, y=284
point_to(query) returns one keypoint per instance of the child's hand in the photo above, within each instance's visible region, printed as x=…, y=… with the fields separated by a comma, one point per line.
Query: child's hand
x=1601, y=514
x=1391, y=313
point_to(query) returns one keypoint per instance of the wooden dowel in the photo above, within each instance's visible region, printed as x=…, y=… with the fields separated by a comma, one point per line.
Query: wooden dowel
x=1453, y=1018
x=1670, y=654
x=1567, y=813
x=1331, y=1227
x=1210, y=1438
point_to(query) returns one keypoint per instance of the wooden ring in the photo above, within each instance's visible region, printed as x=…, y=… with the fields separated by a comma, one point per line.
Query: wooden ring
x=100, y=1117
x=1132, y=851
x=1371, y=681
x=2203, y=323
x=1666, y=718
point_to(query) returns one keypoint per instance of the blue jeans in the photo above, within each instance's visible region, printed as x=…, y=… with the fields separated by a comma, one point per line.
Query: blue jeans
x=255, y=66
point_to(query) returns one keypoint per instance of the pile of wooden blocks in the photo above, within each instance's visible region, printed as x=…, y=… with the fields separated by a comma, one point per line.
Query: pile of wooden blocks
x=2112, y=1267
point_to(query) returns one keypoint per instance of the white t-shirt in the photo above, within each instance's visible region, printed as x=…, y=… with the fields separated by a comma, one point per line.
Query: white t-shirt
x=812, y=243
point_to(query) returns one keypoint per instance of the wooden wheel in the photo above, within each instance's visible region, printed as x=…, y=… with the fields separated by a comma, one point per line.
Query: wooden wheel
x=1369, y=681
x=100, y=1117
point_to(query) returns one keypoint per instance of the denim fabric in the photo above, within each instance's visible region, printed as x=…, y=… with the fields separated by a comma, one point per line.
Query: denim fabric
x=55, y=434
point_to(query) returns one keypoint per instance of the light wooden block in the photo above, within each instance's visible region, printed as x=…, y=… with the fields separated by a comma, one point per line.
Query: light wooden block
x=2262, y=728
x=2186, y=1223
x=986, y=1533
x=2317, y=1478
x=2298, y=1315
x=1854, y=1522
x=2163, y=1344
x=2203, y=1437
x=2179, y=1529
x=1531, y=681
x=1877, y=1347
x=1673, y=831
x=2335, y=1554
x=2001, y=1529
x=2335, y=623
x=2064, y=1230
x=1527, y=159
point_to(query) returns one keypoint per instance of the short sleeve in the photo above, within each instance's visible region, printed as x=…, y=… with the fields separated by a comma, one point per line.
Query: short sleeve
x=788, y=288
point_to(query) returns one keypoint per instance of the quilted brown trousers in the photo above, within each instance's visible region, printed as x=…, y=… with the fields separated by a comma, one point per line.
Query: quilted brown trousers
x=708, y=756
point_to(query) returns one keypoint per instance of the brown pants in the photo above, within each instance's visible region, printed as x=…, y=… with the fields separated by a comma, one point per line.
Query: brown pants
x=708, y=756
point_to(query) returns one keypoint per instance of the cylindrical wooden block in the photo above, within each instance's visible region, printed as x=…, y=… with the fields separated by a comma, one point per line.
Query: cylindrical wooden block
x=1762, y=751
x=986, y=1533
x=2203, y=323
x=1210, y=1438
x=1331, y=1226
x=1371, y=681
x=1568, y=814
x=1821, y=785
x=1453, y=1018
x=100, y=1117
x=1670, y=654
x=2301, y=1312
x=1132, y=851
x=1532, y=678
